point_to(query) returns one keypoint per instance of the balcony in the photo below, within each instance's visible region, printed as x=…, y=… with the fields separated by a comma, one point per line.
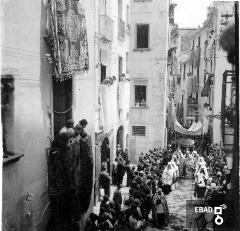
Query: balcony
x=106, y=28
x=121, y=29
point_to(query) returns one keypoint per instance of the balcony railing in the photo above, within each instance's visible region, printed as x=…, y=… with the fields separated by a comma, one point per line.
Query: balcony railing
x=121, y=28
x=106, y=28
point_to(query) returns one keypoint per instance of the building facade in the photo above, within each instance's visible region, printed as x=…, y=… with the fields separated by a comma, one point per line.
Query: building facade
x=37, y=105
x=148, y=59
x=201, y=64
x=112, y=80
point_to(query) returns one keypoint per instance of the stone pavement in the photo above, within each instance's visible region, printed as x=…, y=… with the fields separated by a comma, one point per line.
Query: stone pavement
x=176, y=203
x=177, y=206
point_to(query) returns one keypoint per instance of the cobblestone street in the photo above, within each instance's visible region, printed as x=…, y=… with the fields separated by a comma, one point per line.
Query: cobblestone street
x=177, y=206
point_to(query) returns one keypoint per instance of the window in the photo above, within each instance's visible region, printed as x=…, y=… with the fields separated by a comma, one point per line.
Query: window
x=138, y=130
x=140, y=96
x=184, y=71
x=199, y=42
x=120, y=67
x=127, y=63
x=198, y=74
x=205, y=49
x=7, y=113
x=143, y=36
x=120, y=9
x=193, y=45
x=103, y=72
x=127, y=15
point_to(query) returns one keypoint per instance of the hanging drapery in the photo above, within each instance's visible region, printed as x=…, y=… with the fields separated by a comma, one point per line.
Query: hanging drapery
x=68, y=37
x=206, y=88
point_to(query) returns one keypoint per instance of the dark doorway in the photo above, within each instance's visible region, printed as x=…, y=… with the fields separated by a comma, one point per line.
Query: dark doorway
x=7, y=113
x=62, y=103
x=120, y=136
x=105, y=152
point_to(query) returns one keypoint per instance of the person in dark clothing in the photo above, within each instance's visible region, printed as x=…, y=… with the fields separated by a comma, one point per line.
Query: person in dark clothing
x=129, y=173
x=91, y=222
x=120, y=171
x=105, y=180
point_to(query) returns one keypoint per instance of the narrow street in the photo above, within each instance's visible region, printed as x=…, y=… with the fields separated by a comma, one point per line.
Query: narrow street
x=119, y=115
x=176, y=203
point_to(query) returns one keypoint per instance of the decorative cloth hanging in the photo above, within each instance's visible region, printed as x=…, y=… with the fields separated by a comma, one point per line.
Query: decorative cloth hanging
x=197, y=54
x=68, y=37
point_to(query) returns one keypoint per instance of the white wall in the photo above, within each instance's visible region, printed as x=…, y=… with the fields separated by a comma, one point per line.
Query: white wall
x=149, y=65
x=23, y=56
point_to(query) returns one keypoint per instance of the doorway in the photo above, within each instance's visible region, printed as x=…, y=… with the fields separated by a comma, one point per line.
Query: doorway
x=62, y=103
x=120, y=137
x=105, y=153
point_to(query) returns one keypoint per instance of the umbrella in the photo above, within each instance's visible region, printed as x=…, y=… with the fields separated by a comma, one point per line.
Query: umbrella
x=186, y=142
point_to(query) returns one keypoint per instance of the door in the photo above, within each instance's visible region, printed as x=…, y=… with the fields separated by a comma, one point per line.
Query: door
x=62, y=103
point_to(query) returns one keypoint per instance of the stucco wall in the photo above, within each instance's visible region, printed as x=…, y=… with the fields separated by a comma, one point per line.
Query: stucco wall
x=149, y=65
x=23, y=56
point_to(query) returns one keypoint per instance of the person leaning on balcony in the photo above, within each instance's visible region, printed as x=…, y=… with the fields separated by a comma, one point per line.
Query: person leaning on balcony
x=82, y=125
x=69, y=124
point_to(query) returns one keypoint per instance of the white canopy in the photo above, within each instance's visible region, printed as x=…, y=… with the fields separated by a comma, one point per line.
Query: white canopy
x=194, y=130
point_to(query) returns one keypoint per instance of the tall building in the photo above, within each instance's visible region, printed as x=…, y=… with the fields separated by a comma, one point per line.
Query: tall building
x=111, y=81
x=38, y=100
x=148, y=61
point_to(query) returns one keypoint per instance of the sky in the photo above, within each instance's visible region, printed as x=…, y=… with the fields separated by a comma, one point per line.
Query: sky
x=191, y=13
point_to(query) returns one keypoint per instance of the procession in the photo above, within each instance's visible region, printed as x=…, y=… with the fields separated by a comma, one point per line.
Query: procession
x=120, y=115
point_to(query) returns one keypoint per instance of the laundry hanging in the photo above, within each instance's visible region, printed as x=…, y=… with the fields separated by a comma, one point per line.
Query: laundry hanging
x=67, y=37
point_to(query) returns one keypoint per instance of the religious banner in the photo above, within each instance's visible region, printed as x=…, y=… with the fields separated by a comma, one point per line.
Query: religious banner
x=68, y=37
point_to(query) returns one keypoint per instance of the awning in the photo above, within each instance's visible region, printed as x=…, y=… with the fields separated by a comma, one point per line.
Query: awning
x=194, y=130
x=206, y=88
x=186, y=142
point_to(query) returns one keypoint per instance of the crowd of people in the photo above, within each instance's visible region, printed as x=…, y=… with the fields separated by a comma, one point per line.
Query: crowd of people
x=212, y=183
x=155, y=175
x=70, y=175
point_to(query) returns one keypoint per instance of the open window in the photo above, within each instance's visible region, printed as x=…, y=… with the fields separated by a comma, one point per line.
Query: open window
x=140, y=95
x=120, y=67
x=7, y=114
x=103, y=72
x=142, y=36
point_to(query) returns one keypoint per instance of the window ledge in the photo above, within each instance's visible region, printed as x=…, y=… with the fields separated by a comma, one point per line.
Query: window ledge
x=11, y=159
x=141, y=49
x=140, y=107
